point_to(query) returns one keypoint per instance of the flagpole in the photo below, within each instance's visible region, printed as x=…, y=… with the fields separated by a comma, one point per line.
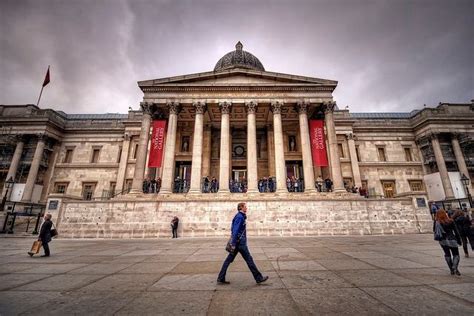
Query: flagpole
x=37, y=103
x=42, y=86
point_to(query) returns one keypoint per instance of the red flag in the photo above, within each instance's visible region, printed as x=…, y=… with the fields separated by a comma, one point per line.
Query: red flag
x=157, y=143
x=318, y=143
x=46, y=79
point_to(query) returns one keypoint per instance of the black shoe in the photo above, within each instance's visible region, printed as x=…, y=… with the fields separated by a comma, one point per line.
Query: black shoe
x=263, y=279
x=44, y=256
x=457, y=272
x=222, y=282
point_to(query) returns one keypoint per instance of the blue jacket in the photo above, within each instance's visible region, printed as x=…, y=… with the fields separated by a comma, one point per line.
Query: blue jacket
x=239, y=229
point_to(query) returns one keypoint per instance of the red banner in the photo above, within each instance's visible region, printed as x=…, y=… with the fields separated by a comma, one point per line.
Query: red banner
x=318, y=143
x=157, y=144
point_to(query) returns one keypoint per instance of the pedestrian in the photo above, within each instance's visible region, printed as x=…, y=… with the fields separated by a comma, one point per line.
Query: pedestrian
x=45, y=234
x=174, y=226
x=434, y=208
x=239, y=245
x=449, y=239
x=463, y=223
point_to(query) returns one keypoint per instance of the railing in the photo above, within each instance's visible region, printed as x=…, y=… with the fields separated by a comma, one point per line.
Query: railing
x=451, y=204
x=267, y=185
x=209, y=186
x=180, y=186
x=238, y=187
x=108, y=194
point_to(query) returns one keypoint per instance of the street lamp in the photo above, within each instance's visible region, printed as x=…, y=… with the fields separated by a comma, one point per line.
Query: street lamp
x=465, y=180
x=8, y=184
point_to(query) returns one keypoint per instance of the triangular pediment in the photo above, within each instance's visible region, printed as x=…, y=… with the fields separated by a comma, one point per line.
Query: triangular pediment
x=237, y=77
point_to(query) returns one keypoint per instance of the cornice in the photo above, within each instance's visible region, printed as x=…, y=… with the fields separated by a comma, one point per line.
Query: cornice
x=234, y=88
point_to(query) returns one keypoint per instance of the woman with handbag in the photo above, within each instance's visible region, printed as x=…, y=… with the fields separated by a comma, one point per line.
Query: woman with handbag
x=45, y=234
x=447, y=234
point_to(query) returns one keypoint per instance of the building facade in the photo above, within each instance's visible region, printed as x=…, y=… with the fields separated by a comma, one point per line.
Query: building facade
x=245, y=127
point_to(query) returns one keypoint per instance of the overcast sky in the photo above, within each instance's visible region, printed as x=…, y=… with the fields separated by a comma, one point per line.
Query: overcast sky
x=388, y=56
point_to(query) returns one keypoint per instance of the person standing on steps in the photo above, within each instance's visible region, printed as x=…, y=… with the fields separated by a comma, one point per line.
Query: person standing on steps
x=449, y=240
x=239, y=244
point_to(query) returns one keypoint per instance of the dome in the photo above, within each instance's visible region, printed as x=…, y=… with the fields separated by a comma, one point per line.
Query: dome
x=239, y=58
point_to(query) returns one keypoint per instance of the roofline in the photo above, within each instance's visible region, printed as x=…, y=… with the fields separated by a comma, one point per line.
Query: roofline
x=216, y=74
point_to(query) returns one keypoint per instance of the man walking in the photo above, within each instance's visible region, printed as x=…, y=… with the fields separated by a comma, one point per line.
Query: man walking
x=239, y=243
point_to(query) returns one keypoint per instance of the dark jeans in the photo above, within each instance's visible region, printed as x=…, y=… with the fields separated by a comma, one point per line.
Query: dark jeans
x=464, y=243
x=175, y=232
x=45, y=247
x=454, y=251
x=244, y=251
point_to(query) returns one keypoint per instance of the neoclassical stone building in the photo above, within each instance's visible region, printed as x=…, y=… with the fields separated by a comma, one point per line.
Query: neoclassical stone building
x=238, y=124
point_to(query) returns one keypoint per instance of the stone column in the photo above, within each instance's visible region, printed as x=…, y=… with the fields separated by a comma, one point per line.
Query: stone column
x=123, y=163
x=170, y=146
x=459, y=155
x=335, y=163
x=252, y=163
x=137, y=184
x=224, y=166
x=302, y=108
x=196, y=167
x=206, y=155
x=271, y=151
x=443, y=171
x=354, y=161
x=280, y=169
x=34, y=168
x=15, y=162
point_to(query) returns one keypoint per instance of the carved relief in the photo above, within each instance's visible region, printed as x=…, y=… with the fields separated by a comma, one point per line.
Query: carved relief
x=147, y=107
x=330, y=106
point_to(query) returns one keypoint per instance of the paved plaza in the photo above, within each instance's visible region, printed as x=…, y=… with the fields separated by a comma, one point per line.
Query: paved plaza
x=369, y=275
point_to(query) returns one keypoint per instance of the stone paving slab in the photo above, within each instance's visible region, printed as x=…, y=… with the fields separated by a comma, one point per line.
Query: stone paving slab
x=366, y=275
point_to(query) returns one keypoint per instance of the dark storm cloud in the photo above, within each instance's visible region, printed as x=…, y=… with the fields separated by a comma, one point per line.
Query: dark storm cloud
x=386, y=55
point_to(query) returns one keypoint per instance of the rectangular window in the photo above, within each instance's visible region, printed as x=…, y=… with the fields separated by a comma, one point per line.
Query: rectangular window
x=381, y=152
x=135, y=151
x=357, y=153
x=408, y=156
x=95, y=155
x=119, y=157
x=340, y=150
x=388, y=189
x=88, y=190
x=416, y=185
x=68, y=156
x=60, y=187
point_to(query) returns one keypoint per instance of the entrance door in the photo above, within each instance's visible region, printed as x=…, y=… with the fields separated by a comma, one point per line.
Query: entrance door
x=239, y=175
x=294, y=174
x=182, y=176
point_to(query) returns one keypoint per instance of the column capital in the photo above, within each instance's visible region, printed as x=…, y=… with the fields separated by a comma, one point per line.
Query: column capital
x=329, y=106
x=225, y=107
x=276, y=107
x=19, y=137
x=174, y=107
x=456, y=135
x=251, y=107
x=147, y=107
x=127, y=136
x=200, y=107
x=351, y=136
x=42, y=137
x=433, y=135
x=302, y=107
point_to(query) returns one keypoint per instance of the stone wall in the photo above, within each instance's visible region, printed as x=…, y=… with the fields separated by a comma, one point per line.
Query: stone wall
x=206, y=216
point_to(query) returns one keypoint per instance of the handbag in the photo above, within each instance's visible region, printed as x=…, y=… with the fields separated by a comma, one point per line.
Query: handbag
x=54, y=231
x=439, y=233
x=231, y=249
x=35, y=248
